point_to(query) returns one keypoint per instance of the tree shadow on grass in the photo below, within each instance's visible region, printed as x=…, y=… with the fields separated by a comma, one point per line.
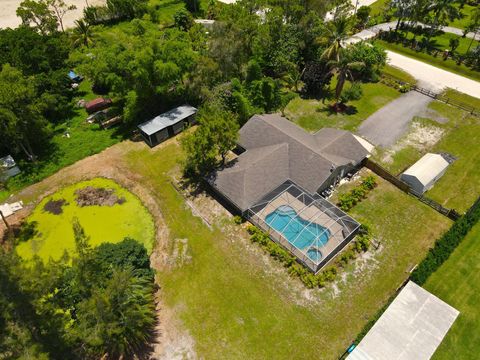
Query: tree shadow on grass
x=330, y=111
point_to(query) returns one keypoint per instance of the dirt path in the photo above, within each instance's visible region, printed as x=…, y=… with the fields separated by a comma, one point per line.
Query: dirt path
x=8, y=12
x=170, y=341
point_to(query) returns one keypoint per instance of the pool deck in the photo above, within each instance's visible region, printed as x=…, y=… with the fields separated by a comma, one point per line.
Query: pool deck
x=308, y=213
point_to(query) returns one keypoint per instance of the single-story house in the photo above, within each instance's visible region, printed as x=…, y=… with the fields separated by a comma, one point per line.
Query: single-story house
x=277, y=150
x=422, y=175
x=97, y=105
x=411, y=328
x=167, y=124
x=8, y=168
x=276, y=180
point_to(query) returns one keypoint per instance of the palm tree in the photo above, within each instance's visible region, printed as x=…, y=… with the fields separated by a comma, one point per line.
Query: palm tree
x=117, y=320
x=473, y=26
x=336, y=32
x=82, y=34
x=343, y=68
x=443, y=10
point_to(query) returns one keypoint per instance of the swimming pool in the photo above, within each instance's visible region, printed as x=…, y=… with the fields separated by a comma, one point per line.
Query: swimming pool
x=299, y=232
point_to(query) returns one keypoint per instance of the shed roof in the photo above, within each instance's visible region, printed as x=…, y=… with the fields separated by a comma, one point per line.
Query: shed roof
x=167, y=119
x=412, y=327
x=304, y=158
x=427, y=168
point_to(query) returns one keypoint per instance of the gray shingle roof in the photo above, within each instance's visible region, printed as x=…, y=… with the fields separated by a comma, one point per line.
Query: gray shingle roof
x=278, y=150
x=167, y=119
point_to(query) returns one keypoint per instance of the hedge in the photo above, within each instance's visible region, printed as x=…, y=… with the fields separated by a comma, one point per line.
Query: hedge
x=446, y=244
x=348, y=200
x=310, y=280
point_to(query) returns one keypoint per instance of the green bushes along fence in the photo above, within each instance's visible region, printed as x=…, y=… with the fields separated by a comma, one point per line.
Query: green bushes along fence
x=348, y=200
x=446, y=245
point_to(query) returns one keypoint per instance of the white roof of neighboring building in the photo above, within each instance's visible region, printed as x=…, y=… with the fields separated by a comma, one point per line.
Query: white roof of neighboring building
x=369, y=147
x=427, y=168
x=204, y=21
x=167, y=119
x=411, y=328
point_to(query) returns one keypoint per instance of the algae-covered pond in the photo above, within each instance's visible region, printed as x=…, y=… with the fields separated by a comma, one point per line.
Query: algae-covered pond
x=106, y=211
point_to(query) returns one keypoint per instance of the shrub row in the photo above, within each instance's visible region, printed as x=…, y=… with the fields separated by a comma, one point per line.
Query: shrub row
x=310, y=280
x=396, y=84
x=348, y=200
x=446, y=244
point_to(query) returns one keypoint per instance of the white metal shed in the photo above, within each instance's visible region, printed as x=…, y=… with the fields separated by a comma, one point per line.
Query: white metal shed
x=422, y=175
x=411, y=328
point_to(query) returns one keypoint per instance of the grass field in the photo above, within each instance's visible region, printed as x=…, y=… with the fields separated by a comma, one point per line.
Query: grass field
x=238, y=303
x=464, y=21
x=85, y=140
x=457, y=282
x=438, y=61
x=313, y=115
x=399, y=74
x=460, y=185
x=101, y=223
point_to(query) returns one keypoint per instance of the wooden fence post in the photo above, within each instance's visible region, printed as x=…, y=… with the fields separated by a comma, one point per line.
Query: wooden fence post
x=4, y=220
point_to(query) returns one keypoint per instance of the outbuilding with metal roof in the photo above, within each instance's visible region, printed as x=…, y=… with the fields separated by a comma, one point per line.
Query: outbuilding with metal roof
x=422, y=175
x=167, y=124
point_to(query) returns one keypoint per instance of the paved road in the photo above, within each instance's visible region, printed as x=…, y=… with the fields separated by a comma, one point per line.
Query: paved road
x=374, y=30
x=434, y=78
x=428, y=76
x=387, y=125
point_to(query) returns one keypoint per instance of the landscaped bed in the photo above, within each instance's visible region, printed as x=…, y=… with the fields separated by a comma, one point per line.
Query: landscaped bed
x=106, y=211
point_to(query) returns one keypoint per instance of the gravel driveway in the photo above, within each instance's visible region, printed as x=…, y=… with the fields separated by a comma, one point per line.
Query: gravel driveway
x=387, y=125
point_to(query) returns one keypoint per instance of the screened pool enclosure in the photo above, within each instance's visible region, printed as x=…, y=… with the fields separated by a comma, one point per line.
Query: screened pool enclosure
x=309, y=226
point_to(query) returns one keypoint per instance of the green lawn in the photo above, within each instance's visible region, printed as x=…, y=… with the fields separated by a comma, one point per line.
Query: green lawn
x=438, y=61
x=101, y=223
x=463, y=22
x=457, y=282
x=460, y=185
x=234, y=300
x=399, y=74
x=85, y=140
x=313, y=115
x=378, y=9
x=165, y=9
x=463, y=98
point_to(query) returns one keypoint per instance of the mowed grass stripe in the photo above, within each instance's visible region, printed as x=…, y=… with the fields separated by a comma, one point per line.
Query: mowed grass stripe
x=457, y=282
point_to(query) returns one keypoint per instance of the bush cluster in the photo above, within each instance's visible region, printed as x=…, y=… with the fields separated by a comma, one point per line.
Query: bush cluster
x=396, y=84
x=446, y=244
x=348, y=200
x=310, y=280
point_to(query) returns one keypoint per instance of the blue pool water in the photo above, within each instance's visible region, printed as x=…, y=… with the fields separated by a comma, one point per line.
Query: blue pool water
x=299, y=232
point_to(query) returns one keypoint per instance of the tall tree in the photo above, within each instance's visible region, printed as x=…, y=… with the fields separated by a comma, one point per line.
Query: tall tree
x=39, y=14
x=118, y=318
x=343, y=68
x=59, y=9
x=442, y=11
x=473, y=26
x=82, y=34
x=22, y=125
x=210, y=142
x=334, y=34
x=403, y=10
